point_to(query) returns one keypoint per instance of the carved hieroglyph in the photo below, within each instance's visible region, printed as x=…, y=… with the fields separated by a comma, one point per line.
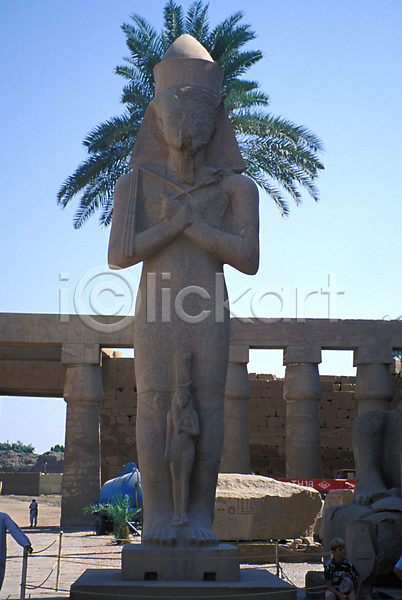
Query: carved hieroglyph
x=184, y=210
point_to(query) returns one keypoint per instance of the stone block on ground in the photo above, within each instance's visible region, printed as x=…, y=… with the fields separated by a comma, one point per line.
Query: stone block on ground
x=257, y=508
x=315, y=585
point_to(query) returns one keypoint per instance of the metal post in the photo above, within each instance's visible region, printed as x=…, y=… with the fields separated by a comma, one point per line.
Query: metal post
x=24, y=573
x=277, y=557
x=58, y=561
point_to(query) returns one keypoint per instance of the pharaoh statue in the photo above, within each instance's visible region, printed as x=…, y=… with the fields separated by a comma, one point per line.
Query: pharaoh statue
x=184, y=210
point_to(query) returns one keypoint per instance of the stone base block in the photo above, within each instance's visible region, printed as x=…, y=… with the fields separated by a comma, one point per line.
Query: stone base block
x=143, y=563
x=315, y=585
x=108, y=585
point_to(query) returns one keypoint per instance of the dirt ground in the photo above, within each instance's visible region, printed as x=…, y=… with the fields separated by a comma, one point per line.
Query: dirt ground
x=49, y=509
x=81, y=550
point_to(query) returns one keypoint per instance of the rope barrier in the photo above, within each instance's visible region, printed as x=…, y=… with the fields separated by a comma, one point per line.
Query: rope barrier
x=35, y=587
x=47, y=547
x=97, y=558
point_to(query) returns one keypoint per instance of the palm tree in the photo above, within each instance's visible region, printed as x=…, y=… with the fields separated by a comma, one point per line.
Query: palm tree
x=276, y=151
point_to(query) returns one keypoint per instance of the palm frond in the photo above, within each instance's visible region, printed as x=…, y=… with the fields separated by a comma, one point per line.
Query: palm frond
x=196, y=22
x=238, y=100
x=110, y=133
x=174, y=25
x=112, y=160
x=99, y=194
x=227, y=36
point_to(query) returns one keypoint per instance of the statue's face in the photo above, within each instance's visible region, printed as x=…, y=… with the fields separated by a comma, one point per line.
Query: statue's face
x=186, y=118
x=182, y=397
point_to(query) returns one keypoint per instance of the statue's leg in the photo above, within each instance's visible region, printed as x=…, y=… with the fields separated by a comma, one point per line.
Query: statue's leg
x=188, y=465
x=368, y=450
x=152, y=410
x=392, y=452
x=209, y=401
x=181, y=469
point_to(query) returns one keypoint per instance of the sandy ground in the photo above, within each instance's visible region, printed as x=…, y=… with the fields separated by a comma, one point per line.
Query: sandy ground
x=49, y=509
x=81, y=550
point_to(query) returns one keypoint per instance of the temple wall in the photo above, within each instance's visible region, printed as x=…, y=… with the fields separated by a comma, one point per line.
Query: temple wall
x=267, y=412
x=118, y=410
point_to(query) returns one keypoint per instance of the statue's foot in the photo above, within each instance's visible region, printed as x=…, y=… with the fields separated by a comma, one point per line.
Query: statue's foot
x=166, y=536
x=199, y=535
x=371, y=492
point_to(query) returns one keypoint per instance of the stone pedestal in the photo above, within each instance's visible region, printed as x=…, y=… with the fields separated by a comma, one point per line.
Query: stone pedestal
x=82, y=391
x=302, y=392
x=374, y=389
x=143, y=563
x=236, y=446
x=107, y=584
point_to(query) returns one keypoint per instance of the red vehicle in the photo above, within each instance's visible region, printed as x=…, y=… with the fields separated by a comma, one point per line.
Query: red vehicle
x=345, y=480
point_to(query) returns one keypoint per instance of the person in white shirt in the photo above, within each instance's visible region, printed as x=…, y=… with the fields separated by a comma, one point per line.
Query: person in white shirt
x=7, y=524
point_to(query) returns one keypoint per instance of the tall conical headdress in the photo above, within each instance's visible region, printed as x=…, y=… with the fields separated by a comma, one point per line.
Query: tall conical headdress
x=187, y=62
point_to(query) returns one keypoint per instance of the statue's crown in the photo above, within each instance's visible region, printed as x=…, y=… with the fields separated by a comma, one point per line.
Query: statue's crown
x=187, y=62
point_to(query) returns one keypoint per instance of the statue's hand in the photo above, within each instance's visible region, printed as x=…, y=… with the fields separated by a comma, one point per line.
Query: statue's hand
x=172, y=209
x=169, y=208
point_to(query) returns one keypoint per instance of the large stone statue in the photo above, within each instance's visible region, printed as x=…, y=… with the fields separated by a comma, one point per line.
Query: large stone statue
x=372, y=523
x=377, y=447
x=184, y=210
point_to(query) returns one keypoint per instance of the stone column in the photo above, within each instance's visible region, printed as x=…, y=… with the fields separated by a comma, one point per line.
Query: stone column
x=236, y=446
x=302, y=392
x=82, y=391
x=374, y=389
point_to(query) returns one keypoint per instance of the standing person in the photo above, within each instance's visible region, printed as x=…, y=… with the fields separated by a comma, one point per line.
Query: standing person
x=343, y=581
x=33, y=513
x=7, y=524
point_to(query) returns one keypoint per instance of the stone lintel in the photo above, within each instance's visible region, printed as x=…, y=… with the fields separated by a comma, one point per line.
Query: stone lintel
x=373, y=354
x=89, y=354
x=33, y=353
x=239, y=354
x=32, y=378
x=141, y=563
x=302, y=354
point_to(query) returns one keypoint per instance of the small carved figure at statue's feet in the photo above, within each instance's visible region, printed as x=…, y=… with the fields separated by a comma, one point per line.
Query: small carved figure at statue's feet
x=166, y=536
x=198, y=535
x=180, y=518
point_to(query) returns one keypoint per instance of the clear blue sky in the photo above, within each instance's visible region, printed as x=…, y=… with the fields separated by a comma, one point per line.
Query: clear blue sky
x=334, y=67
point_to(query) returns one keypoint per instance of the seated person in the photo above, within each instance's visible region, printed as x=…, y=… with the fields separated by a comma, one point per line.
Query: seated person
x=343, y=581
